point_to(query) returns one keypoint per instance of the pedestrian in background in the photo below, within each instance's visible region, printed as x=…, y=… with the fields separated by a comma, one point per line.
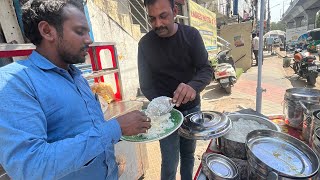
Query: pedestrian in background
x=269, y=43
x=255, y=47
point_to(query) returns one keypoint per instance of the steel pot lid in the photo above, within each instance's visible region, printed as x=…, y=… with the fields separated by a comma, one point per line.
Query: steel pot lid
x=316, y=137
x=316, y=141
x=316, y=114
x=217, y=166
x=317, y=133
x=204, y=125
x=282, y=154
x=304, y=94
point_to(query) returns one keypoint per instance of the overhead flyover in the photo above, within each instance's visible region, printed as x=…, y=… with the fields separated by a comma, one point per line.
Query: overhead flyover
x=301, y=13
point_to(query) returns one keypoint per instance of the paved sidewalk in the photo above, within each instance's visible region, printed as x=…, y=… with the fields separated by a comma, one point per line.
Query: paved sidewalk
x=243, y=96
x=274, y=82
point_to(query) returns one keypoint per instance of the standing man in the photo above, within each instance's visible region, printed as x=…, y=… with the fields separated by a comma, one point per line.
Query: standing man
x=269, y=43
x=255, y=45
x=173, y=62
x=51, y=125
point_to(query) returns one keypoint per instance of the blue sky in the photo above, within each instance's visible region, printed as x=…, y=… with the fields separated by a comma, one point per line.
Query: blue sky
x=276, y=6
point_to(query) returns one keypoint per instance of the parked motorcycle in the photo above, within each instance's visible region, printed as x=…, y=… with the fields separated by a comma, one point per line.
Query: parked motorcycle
x=304, y=65
x=224, y=72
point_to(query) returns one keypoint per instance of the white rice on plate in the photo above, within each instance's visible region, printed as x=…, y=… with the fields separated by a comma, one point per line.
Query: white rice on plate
x=158, y=126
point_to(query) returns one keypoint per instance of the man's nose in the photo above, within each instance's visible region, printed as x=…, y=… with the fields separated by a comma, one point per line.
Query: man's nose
x=158, y=23
x=88, y=39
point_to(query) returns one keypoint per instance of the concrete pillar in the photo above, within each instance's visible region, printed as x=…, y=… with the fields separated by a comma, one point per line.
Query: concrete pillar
x=291, y=24
x=298, y=20
x=312, y=17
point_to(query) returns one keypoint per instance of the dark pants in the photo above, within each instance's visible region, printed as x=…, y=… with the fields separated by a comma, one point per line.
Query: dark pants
x=171, y=147
x=255, y=52
x=270, y=48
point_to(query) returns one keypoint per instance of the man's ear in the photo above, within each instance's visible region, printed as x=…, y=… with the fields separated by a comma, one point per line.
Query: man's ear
x=175, y=10
x=47, y=31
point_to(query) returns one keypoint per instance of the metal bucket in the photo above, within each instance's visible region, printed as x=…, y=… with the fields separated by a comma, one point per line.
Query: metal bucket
x=292, y=108
x=277, y=156
x=315, y=144
x=315, y=124
x=307, y=128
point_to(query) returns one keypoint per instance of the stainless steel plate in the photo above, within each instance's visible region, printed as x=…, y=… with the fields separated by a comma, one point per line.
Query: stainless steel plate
x=217, y=166
x=285, y=154
x=204, y=125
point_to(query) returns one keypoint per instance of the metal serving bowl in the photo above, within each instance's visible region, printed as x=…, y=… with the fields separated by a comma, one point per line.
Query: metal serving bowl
x=275, y=155
x=236, y=149
x=219, y=167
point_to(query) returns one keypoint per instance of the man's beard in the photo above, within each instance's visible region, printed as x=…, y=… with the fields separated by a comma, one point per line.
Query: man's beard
x=71, y=59
x=68, y=57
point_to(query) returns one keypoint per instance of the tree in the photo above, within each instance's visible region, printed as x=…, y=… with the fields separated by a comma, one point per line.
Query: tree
x=318, y=20
x=278, y=26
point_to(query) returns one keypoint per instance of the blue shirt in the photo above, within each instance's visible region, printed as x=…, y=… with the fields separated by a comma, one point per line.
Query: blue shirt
x=51, y=125
x=269, y=40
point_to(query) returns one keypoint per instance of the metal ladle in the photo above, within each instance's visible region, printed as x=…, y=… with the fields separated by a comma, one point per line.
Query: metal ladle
x=159, y=106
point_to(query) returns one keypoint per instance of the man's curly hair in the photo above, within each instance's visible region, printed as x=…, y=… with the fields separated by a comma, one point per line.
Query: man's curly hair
x=51, y=11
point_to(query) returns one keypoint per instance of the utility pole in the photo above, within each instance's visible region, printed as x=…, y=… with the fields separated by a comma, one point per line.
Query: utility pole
x=282, y=8
x=256, y=4
x=259, y=89
x=269, y=17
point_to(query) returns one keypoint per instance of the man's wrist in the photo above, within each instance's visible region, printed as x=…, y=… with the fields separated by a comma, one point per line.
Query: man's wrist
x=110, y=132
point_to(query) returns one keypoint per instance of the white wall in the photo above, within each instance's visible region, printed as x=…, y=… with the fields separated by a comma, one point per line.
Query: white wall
x=243, y=5
x=106, y=30
x=222, y=7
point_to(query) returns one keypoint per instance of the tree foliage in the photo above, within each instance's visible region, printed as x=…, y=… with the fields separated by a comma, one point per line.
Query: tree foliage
x=278, y=26
x=318, y=20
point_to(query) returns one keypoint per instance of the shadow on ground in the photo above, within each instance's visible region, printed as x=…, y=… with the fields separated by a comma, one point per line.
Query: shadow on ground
x=295, y=80
x=227, y=104
x=214, y=91
x=299, y=82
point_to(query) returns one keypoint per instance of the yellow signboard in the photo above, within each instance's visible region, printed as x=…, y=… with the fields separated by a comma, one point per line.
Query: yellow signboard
x=205, y=21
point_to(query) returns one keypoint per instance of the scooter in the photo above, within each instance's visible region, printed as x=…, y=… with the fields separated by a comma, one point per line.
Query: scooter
x=224, y=72
x=304, y=65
